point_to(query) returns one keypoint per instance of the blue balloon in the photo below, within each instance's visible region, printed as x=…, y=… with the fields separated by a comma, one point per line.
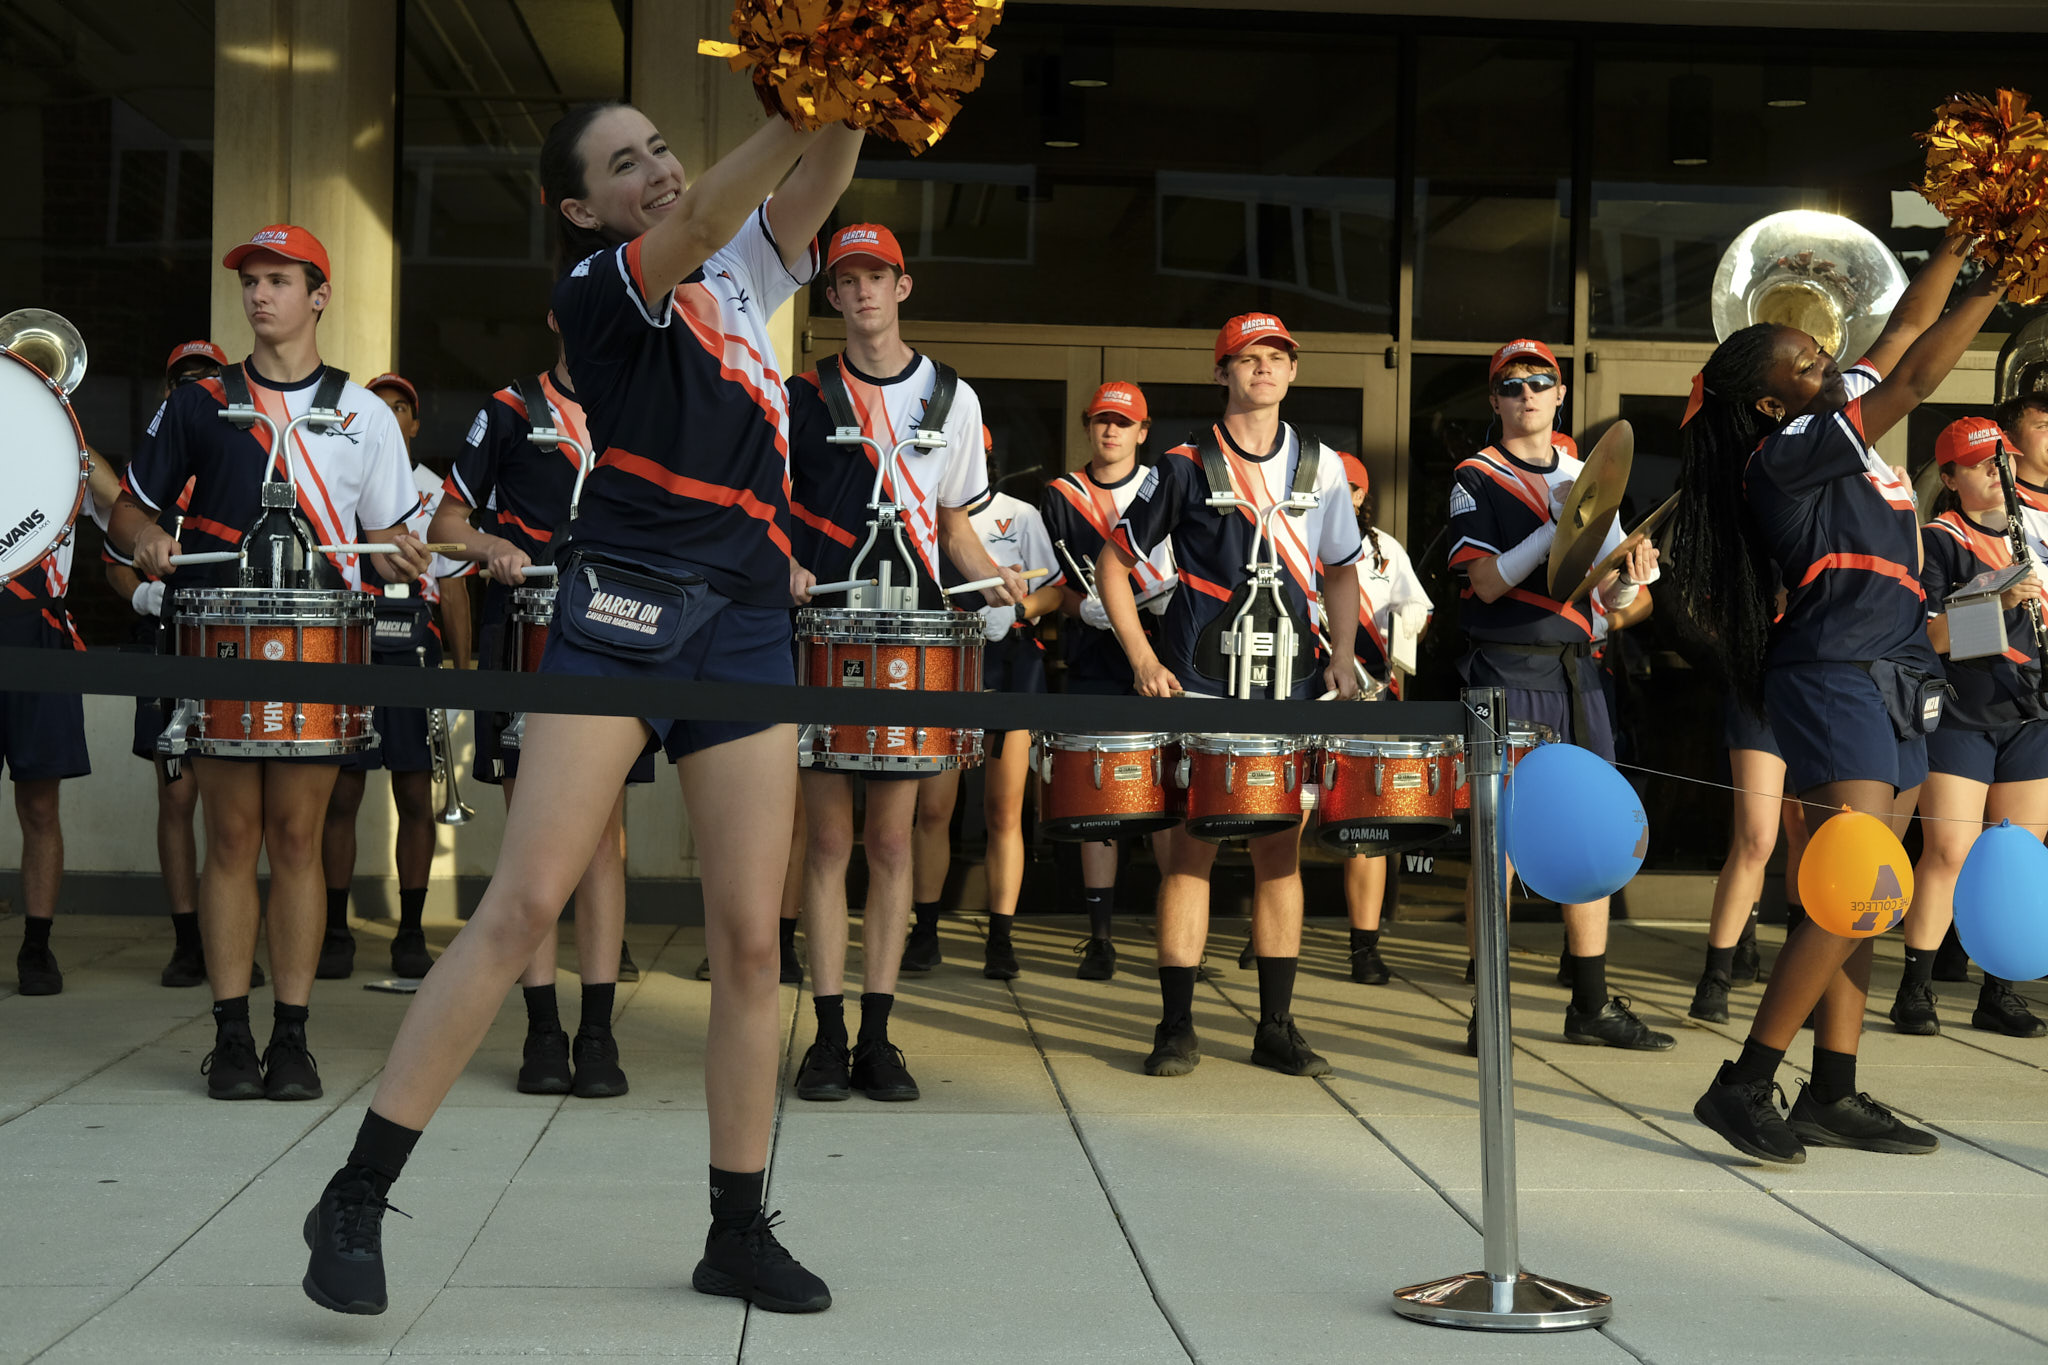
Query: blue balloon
x=1574, y=827
x=2002, y=903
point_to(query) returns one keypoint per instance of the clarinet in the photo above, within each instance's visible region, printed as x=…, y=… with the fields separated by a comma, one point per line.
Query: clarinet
x=2022, y=553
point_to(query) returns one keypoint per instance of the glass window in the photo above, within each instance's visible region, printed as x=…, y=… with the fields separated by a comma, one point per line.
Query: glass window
x=473, y=243
x=1179, y=411
x=1026, y=419
x=1493, y=164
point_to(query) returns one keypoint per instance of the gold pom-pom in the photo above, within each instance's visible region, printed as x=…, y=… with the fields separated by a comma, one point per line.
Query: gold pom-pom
x=1987, y=173
x=894, y=67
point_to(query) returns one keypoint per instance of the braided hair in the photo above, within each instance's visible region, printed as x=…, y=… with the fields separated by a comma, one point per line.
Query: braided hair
x=1371, y=532
x=562, y=176
x=1717, y=562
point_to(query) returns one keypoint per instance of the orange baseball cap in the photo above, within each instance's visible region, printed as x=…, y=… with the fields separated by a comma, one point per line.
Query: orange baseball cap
x=1969, y=442
x=185, y=350
x=1524, y=350
x=1124, y=399
x=388, y=380
x=1354, y=471
x=1250, y=328
x=864, y=239
x=281, y=239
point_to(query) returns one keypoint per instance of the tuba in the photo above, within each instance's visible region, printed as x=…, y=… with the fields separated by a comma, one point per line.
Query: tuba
x=2023, y=360
x=1824, y=274
x=47, y=341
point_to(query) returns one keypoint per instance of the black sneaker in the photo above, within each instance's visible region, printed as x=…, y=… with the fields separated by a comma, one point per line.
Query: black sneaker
x=37, y=970
x=1710, y=998
x=999, y=961
x=1951, y=960
x=1748, y=965
x=289, y=1072
x=1614, y=1025
x=544, y=1069
x=1746, y=1115
x=1858, y=1121
x=409, y=957
x=1913, y=1009
x=187, y=967
x=232, y=1071
x=1278, y=1044
x=879, y=1073
x=337, y=956
x=824, y=1074
x=2001, y=1010
x=1368, y=968
x=704, y=970
x=345, y=1233
x=1175, y=1051
x=921, y=950
x=598, y=1076
x=792, y=967
x=748, y=1263
x=629, y=970
x=1098, y=959
x=1247, y=957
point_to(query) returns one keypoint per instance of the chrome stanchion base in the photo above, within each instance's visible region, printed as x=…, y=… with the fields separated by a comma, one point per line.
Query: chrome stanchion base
x=1528, y=1303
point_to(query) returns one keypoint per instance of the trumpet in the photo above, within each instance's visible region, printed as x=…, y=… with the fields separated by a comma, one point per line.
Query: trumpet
x=453, y=811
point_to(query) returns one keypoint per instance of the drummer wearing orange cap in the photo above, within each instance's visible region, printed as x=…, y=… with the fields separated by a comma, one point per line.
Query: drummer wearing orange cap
x=1988, y=759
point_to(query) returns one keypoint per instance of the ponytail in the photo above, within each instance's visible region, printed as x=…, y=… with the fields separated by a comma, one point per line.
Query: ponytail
x=562, y=176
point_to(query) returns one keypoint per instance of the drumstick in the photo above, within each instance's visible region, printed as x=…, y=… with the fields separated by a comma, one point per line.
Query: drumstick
x=849, y=584
x=978, y=584
x=210, y=557
x=385, y=548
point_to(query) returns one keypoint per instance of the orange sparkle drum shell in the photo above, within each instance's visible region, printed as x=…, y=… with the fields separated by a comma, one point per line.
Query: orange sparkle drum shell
x=281, y=625
x=1386, y=794
x=905, y=651
x=1242, y=786
x=1094, y=787
x=532, y=612
x=1523, y=735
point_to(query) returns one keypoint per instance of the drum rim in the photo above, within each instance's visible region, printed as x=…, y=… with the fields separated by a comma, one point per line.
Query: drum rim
x=1258, y=746
x=1139, y=741
x=60, y=527
x=844, y=625
x=1392, y=746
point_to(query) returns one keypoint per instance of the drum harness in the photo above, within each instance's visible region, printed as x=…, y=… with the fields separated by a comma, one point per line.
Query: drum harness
x=880, y=592
x=1258, y=622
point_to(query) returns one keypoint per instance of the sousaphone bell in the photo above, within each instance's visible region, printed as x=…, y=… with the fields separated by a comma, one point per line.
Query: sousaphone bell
x=47, y=341
x=1824, y=274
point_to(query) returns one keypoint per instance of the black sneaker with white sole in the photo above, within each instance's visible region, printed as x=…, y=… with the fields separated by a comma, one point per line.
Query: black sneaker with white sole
x=1614, y=1024
x=1175, y=1050
x=824, y=1074
x=1278, y=1045
x=750, y=1263
x=2000, y=1009
x=1747, y=1116
x=704, y=970
x=544, y=1067
x=598, y=1074
x=1913, y=1010
x=289, y=1072
x=345, y=1233
x=232, y=1070
x=879, y=1072
x=1858, y=1121
x=1098, y=959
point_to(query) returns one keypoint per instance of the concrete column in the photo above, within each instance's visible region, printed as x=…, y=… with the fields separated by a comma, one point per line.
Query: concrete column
x=305, y=102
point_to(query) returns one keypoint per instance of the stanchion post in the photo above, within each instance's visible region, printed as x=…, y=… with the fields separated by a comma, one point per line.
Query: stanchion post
x=1503, y=1297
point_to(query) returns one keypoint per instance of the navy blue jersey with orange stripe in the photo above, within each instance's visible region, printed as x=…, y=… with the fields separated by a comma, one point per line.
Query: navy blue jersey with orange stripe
x=1082, y=513
x=1845, y=535
x=1497, y=502
x=687, y=412
x=521, y=489
x=1988, y=691
x=1212, y=548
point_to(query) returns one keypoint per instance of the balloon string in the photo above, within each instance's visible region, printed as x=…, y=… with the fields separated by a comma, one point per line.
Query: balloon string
x=1782, y=795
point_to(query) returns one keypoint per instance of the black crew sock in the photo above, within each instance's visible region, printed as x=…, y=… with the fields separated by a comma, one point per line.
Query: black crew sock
x=235, y=1011
x=597, y=1005
x=1363, y=939
x=927, y=913
x=1795, y=915
x=185, y=928
x=831, y=1012
x=1589, y=983
x=1748, y=934
x=736, y=1198
x=1177, y=997
x=999, y=929
x=543, y=1011
x=788, y=936
x=381, y=1149
x=1834, y=1075
x=35, y=933
x=874, y=1016
x=411, y=906
x=286, y=1019
x=1101, y=901
x=337, y=910
x=1757, y=1062
x=1276, y=986
x=1721, y=961
x=1919, y=966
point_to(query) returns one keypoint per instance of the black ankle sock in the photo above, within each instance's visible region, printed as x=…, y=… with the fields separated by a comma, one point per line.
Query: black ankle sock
x=788, y=936
x=1919, y=966
x=999, y=928
x=235, y=1011
x=1757, y=1062
x=382, y=1147
x=1748, y=934
x=1721, y=961
x=831, y=1012
x=1177, y=996
x=35, y=933
x=411, y=906
x=736, y=1197
x=1276, y=986
x=185, y=928
x=927, y=913
x=543, y=1011
x=874, y=1016
x=286, y=1019
x=1834, y=1075
x=597, y=1005
x=337, y=910
x=1100, y=901
x=1589, y=983
x=1362, y=939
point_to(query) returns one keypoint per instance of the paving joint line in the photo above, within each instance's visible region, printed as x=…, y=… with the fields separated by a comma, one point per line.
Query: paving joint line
x=774, y=1144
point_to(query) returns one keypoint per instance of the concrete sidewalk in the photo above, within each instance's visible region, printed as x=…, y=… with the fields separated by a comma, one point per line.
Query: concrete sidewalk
x=1044, y=1201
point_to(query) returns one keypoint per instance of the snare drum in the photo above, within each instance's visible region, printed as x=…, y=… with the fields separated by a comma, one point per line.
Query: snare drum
x=1105, y=786
x=906, y=651
x=1241, y=786
x=294, y=625
x=1386, y=795
x=1523, y=735
x=527, y=621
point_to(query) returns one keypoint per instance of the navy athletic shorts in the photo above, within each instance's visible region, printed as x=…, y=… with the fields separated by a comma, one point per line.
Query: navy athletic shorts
x=1554, y=709
x=42, y=734
x=2010, y=753
x=1742, y=728
x=1832, y=725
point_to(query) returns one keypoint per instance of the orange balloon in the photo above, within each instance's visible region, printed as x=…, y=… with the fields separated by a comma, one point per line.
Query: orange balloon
x=1855, y=878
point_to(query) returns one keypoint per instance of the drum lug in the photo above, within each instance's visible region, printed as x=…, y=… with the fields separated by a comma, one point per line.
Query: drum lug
x=871, y=739
x=1157, y=763
x=1329, y=771
x=1292, y=773
x=298, y=720
x=1459, y=769
x=1229, y=773
x=1184, y=771
x=1379, y=776
x=917, y=738
x=1098, y=767
x=1436, y=778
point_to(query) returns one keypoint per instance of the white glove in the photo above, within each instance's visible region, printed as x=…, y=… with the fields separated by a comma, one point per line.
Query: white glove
x=148, y=598
x=1623, y=593
x=996, y=621
x=1094, y=614
x=1521, y=561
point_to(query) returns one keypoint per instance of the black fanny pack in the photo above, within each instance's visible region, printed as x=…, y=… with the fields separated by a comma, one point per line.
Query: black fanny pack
x=402, y=625
x=1911, y=697
x=628, y=610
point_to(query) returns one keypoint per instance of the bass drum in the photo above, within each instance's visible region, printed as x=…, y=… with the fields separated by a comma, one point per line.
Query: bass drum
x=46, y=466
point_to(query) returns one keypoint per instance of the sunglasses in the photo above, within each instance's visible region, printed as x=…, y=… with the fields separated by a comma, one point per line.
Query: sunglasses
x=1534, y=383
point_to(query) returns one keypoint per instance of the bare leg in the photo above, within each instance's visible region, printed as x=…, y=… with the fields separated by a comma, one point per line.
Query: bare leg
x=1946, y=800
x=828, y=838
x=885, y=919
x=1003, y=808
x=1750, y=841
x=793, y=875
x=42, y=846
x=1276, y=894
x=295, y=799
x=177, y=850
x=932, y=836
x=338, y=830
x=1365, y=887
x=540, y=970
x=232, y=794
x=413, y=793
x=1183, y=927
x=601, y=904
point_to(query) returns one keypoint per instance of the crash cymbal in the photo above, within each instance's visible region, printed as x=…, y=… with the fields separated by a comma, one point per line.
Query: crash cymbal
x=1590, y=508
x=1646, y=527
